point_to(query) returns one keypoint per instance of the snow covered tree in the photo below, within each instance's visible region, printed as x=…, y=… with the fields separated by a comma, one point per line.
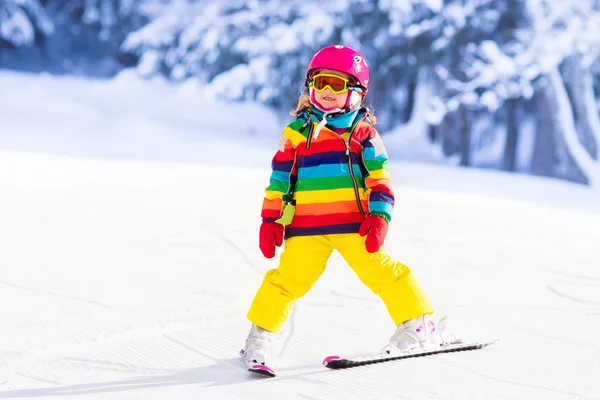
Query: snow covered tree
x=103, y=17
x=469, y=37
x=570, y=39
x=252, y=50
x=88, y=33
x=495, y=63
x=495, y=70
x=389, y=34
x=22, y=21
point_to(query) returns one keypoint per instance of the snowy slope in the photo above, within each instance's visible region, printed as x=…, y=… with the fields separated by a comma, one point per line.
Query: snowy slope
x=123, y=278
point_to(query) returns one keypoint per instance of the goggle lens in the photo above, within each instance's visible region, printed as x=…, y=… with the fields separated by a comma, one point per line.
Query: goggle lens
x=337, y=84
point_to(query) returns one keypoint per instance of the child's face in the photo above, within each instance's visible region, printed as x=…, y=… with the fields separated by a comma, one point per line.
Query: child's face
x=328, y=99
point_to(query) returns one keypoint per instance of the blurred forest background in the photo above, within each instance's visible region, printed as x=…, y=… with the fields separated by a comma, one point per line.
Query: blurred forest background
x=515, y=80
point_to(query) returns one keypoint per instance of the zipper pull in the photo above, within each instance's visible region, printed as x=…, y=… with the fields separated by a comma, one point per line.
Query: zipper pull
x=319, y=127
x=347, y=148
x=324, y=121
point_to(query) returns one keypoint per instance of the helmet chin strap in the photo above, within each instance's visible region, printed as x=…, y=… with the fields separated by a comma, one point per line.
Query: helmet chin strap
x=354, y=100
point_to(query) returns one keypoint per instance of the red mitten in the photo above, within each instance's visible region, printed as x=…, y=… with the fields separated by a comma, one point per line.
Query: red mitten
x=271, y=235
x=375, y=228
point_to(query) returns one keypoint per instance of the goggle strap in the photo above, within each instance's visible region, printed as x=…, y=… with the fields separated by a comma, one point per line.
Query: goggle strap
x=356, y=88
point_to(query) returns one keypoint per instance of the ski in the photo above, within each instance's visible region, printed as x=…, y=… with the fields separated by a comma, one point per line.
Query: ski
x=262, y=370
x=337, y=362
x=258, y=369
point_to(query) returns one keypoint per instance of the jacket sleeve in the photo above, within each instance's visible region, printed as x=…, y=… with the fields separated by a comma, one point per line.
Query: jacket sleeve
x=378, y=179
x=282, y=176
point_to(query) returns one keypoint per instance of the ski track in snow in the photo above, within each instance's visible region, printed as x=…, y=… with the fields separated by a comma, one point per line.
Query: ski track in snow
x=56, y=295
x=236, y=248
x=552, y=288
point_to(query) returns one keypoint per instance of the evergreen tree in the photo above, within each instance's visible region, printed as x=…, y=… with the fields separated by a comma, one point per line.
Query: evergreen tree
x=22, y=22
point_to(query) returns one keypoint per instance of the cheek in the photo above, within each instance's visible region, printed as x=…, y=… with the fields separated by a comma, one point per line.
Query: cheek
x=341, y=99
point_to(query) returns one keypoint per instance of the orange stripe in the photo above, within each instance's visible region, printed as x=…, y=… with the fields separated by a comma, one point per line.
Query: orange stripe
x=382, y=185
x=370, y=182
x=328, y=208
x=274, y=204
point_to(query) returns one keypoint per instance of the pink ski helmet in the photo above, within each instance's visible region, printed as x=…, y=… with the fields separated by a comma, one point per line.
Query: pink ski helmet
x=343, y=59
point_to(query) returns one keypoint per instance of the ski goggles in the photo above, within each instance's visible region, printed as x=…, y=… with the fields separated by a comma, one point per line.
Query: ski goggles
x=337, y=84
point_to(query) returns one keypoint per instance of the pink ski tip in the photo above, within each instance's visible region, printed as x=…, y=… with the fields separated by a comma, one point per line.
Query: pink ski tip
x=262, y=368
x=329, y=359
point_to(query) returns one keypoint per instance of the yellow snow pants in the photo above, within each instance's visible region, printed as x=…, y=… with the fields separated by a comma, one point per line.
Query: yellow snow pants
x=303, y=261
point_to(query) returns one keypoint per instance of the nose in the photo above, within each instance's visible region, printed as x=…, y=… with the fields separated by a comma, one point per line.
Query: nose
x=328, y=92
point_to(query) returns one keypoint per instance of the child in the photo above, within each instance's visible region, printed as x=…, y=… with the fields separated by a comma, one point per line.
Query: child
x=330, y=187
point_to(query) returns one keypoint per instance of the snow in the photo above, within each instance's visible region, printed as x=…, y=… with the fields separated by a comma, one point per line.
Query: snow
x=566, y=123
x=126, y=118
x=501, y=62
x=128, y=260
x=18, y=29
x=593, y=118
x=232, y=84
x=490, y=100
x=434, y=5
x=20, y=19
x=159, y=32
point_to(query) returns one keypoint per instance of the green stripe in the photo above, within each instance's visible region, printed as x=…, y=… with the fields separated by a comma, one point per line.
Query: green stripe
x=278, y=186
x=336, y=182
x=297, y=124
x=373, y=165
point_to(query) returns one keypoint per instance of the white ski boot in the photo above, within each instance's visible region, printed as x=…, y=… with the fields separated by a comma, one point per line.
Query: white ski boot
x=259, y=346
x=417, y=333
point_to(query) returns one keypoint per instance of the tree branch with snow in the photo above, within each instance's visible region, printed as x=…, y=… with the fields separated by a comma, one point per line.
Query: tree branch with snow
x=20, y=20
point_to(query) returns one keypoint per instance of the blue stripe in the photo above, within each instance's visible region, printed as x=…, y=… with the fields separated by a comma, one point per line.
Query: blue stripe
x=381, y=206
x=281, y=176
x=329, y=170
x=323, y=230
x=382, y=196
x=331, y=157
x=282, y=166
x=314, y=160
x=369, y=154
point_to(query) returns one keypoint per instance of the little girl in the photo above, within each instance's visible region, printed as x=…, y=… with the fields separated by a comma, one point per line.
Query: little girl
x=330, y=190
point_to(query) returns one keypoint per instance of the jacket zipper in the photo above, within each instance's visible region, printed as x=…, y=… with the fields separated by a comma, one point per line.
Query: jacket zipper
x=309, y=123
x=289, y=192
x=354, y=183
x=309, y=136
x=351, y=170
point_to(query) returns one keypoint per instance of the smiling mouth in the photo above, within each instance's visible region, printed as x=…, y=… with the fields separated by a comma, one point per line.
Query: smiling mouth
x=328, y=98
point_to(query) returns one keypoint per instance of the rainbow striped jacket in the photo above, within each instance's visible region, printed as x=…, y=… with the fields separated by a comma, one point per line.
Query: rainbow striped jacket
x=335, y=180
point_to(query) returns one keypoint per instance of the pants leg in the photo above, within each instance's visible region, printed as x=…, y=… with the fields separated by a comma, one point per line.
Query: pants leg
x=301, y=264
x=391, y=280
